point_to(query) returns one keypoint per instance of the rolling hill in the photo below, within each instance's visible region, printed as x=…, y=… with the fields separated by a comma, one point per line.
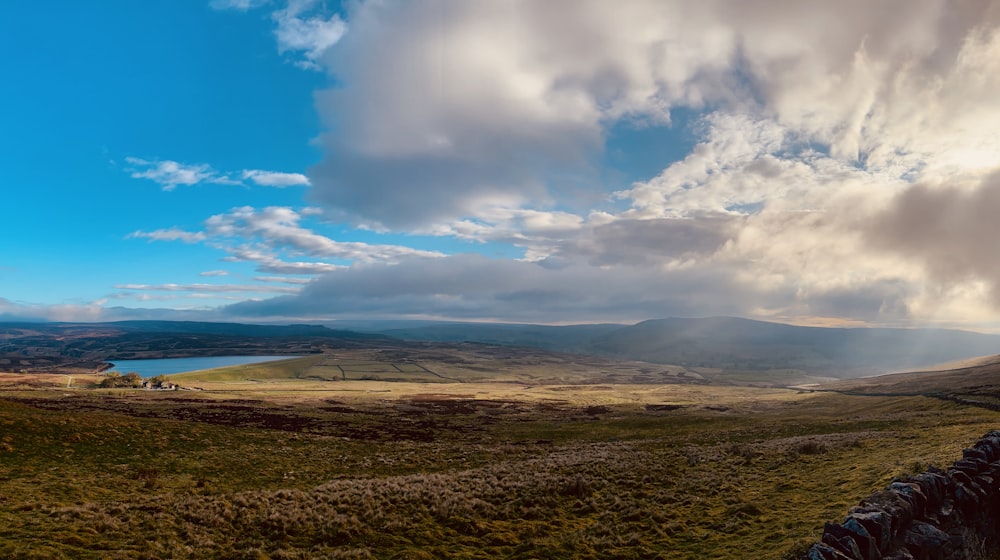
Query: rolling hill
x=83, y=347
x=729, y=343
x=973, y=378
x=726, y=344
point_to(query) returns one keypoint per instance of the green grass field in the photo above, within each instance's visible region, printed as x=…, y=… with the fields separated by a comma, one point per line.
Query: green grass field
x=290, y=466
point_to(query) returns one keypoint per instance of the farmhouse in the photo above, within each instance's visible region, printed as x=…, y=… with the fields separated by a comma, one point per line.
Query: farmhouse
x=158, y=385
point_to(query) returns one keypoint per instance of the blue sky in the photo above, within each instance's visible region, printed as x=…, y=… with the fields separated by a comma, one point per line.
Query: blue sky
x=160, y=81
x=519, y=161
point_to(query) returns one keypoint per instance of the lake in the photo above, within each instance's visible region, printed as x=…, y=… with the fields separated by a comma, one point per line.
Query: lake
x=166, y=366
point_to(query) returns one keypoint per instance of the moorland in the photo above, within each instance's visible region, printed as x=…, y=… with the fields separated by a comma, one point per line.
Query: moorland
x=371, y=447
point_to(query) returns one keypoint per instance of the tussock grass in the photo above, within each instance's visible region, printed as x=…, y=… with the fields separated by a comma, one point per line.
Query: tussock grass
x=452, y=475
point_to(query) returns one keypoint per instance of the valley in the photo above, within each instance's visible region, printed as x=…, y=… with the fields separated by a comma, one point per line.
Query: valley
x=288, y=469
x=409, y=449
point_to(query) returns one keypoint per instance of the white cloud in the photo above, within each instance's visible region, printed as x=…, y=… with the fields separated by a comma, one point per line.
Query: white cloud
x=486, y=121
x=214, y=273
x=17, y=311
x=446, y=106
x=277, y=227
x=275, y=265
x=842, y=167
x=170, y=234
x=268, y=261
x=207, y=288
x=168, y=174
x=282, y=279
x=275, y=178
x=303, y=27
x=277, y=243
x=310, y=34
x=239, y=5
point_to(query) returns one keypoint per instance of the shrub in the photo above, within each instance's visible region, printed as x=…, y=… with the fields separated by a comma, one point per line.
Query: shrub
x=149, y=476
x=811, y=447
x=115, y=379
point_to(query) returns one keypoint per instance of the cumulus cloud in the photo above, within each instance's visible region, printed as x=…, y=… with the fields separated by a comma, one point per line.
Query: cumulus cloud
x=239, y=5
x=843, y=164
x=168, y=174
x=275, y=178
x=278, y=227
x=303, y=29
x=268, y=261
x=823, y=130
x=275, y=240
x=282, y=279
x=300, y=29
x=169, y=234
x=206, y=288
x=450, y=108
x=275, y=265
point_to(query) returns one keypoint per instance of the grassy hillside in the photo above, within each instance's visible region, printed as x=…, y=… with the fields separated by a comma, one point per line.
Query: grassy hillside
x=295, y=368
x=81, y=348
x=722, y=349
x=570, y=338
x=737, y=346
x=303, y=468
x=973, y=383
x=742, y=344
x=457, y=363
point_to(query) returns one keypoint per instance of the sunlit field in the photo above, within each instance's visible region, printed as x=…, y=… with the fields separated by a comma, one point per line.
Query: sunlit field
x=276, y=461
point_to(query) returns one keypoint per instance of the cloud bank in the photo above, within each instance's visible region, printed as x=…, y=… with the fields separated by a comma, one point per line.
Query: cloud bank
x=842, y=162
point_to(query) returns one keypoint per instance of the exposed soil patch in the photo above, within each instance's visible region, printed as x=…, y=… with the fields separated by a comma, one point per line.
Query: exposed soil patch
x=665, y=407
x=596, y=410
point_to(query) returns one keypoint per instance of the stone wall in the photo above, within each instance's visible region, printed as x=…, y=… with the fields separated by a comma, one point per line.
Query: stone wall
x=936, y=515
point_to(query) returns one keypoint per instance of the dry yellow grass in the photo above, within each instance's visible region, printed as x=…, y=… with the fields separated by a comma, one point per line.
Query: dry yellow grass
x=295, y=390
x=404, y=470
x=454, y=364
x=274, y=463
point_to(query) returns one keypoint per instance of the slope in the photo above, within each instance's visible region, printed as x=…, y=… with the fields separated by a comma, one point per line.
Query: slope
x=728, y=342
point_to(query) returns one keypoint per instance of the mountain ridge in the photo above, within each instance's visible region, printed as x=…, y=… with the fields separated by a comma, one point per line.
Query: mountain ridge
x=732, y=343
x=729, y=344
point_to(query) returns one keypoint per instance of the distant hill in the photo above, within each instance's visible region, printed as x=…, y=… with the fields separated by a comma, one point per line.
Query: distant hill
x=979, y=379
x=241, y=329
x=728, y=342
x=724, y=342
x=85, y=347
x=743, y=349
x=570, y=338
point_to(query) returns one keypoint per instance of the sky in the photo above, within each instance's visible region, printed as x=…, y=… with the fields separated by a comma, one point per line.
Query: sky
x=557, y=161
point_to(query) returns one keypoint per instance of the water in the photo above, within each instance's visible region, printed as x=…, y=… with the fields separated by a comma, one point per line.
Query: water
x=166, y=366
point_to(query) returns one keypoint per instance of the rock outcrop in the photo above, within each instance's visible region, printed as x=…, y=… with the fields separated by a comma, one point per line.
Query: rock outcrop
x=936, y=515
